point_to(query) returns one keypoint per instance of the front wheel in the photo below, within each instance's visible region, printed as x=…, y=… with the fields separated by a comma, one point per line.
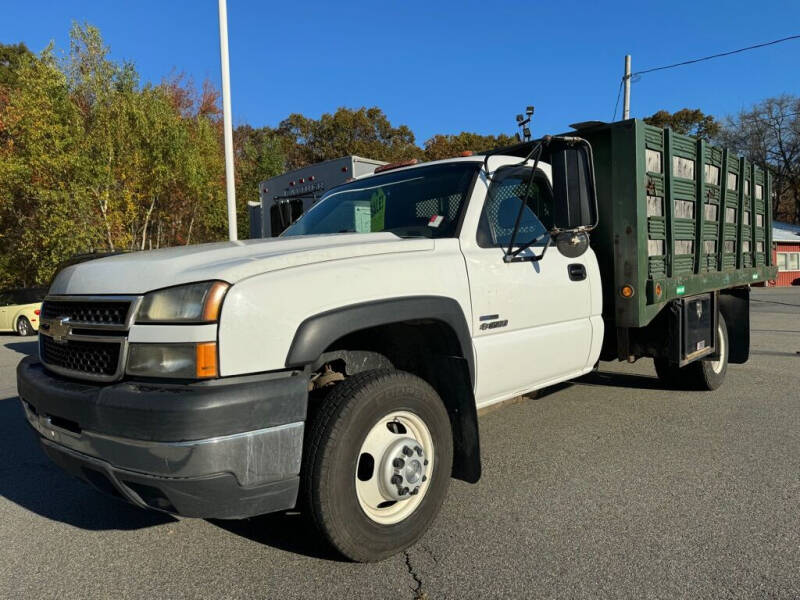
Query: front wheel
x=378, y=463
x=24, y=327
x=701, y=374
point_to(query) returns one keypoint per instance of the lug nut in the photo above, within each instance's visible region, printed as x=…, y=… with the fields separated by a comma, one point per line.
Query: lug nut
x=419, y=450
x=405, y=491
x=398, y=463
x=396, y=479
x=415, y=491
x=407, y=451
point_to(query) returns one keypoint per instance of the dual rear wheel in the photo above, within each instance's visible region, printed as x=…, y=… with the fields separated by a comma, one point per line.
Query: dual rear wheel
x=701, y=374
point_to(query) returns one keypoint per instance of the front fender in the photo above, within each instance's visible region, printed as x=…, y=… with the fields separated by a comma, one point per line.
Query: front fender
x=318, y=332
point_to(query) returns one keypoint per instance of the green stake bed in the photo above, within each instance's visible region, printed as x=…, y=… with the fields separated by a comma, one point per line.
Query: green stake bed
x=678, y=217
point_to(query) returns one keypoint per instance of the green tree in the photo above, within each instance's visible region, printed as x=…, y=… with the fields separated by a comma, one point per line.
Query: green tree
x=364, y=132
x=258, y=155
x=687, y=121
x=12, y=57
x=91, y=159
x=448, y=146
x=43, y=212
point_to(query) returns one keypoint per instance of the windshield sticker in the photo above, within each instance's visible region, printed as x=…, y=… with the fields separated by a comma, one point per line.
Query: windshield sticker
x=362, y=215
x=378, y=207
x=435, y=221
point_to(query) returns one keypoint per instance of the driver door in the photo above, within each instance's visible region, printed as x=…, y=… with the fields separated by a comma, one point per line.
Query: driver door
x=530, y=319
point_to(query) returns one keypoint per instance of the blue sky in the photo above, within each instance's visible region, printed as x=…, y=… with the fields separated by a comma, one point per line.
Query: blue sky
x=446, y=66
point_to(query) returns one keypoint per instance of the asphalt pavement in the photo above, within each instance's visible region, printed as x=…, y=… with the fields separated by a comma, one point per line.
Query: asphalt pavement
x=607, y=487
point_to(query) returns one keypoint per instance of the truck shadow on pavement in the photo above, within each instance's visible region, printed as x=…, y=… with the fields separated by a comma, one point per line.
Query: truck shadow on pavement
x=291, y=531
x=28, y=479
x=624, y=380
x=24, y=348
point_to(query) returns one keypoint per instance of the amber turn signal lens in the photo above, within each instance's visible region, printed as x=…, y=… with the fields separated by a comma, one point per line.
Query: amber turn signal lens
x=214, y=299
x=626, y=291
x=206, y=360
x=658, y=290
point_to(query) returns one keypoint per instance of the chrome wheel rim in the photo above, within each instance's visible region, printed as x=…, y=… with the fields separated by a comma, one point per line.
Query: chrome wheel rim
x=393, y=467
x=21, y=328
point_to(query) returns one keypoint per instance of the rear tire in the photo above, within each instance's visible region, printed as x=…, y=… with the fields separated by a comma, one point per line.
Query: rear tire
x=705, y=375
x=24, y=327
x=352, y=441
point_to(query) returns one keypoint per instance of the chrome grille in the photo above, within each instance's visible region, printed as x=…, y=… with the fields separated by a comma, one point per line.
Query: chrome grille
x=93, y=358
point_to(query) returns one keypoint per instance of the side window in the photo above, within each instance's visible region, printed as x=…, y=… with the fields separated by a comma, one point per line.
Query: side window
x=5, y=299
x=503, y=201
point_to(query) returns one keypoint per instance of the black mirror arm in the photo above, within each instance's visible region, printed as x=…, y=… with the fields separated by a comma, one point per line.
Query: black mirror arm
x=515, y=255
x=524, y=199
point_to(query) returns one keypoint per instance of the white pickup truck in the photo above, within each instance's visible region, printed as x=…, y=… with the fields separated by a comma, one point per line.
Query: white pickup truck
x=339, y=367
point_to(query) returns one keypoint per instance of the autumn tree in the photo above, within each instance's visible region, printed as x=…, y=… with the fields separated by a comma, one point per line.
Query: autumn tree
x=364, y=132
x=686, y=121
x=258, y=155
x=43, y=212
x=91, y=159
x=447, y=146
x=768, y=133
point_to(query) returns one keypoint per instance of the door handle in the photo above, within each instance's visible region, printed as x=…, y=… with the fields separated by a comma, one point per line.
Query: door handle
x=577, y=272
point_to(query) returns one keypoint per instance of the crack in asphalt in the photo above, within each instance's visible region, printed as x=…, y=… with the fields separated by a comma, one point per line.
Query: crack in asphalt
x=418, y=593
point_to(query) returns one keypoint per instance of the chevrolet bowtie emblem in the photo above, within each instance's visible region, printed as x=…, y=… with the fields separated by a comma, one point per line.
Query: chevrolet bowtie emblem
x=59, y=329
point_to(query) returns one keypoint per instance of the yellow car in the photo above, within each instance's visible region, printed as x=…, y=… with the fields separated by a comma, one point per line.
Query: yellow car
x=19, y=310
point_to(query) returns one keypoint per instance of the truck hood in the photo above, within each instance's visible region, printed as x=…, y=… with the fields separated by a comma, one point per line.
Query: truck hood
x=140, y=272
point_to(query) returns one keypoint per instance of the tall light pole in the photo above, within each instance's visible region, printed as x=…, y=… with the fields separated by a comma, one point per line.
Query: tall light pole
x=626, y=104
x=227, y=121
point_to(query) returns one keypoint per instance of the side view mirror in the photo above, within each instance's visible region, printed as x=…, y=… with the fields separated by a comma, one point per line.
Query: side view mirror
x=572, y=244
x=573, y=184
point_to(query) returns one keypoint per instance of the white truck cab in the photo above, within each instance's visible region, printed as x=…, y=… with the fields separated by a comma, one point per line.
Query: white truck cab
x=337, y=368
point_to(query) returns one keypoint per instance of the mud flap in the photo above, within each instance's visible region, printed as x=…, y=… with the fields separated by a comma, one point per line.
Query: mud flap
x=734, y=304
x=451, y=380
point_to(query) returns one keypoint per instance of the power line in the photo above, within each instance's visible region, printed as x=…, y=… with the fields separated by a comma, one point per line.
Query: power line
x=616, y=106
x=697, y=60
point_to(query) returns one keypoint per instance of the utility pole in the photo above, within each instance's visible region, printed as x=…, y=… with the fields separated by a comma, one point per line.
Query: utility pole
x=227, y=124
x=626, y=106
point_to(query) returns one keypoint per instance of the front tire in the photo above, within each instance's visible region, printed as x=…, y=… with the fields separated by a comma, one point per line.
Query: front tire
x=24, y=327
x=378, y=463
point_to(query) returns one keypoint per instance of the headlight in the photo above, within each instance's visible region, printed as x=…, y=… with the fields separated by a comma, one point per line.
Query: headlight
x=183, y=361
x=193, y=303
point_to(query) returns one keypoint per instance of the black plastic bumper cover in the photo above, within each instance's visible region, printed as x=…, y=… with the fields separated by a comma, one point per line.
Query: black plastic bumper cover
x=168, y=412
x=216, y=496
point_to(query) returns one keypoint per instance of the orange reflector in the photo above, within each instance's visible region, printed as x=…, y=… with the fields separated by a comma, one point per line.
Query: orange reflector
x=207, y=359
x=214, y=301
x=466, y=153
x=626, y=291
x=658, y=289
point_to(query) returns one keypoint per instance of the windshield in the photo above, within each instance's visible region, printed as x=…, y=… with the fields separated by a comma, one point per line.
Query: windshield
x=421, y=202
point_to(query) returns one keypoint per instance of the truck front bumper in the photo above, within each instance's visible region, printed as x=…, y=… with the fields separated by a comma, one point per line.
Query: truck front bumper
x=227, y=448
